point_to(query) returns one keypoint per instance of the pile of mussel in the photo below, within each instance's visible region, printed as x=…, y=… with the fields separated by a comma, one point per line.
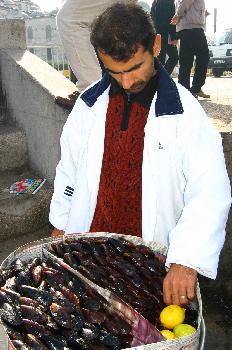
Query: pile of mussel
x=43, y=306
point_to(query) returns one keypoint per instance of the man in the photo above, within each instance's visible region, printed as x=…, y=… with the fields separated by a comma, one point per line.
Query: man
x=139, y=157
x=190, y=25
x=162, y=11
x=73, y=23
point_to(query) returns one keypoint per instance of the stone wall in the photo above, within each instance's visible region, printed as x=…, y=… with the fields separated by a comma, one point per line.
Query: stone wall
x=28, y=88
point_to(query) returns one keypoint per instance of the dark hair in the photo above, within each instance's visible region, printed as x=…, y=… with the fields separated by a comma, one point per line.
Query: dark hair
x=121, y=29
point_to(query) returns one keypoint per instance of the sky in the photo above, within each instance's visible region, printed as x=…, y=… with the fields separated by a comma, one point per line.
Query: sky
x=224, y=10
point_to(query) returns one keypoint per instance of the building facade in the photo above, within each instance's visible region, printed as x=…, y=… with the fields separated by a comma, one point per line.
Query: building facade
x=41, y=33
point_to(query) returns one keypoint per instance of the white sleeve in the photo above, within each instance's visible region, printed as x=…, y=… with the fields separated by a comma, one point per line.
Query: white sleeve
x=199, y=235
x=66, y=172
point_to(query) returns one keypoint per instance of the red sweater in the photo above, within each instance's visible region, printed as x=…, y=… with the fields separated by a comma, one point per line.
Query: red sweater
x=119, y=202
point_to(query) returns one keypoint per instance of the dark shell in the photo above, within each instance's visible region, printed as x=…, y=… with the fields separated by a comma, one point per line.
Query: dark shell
x=51, y=325
x=108, y=249
x=109, y=339
x=135, y=257
x=13, y=333
x=82, y=257
x=71, y=296
x=90, y=303
x=42, y=297
x=93, y=316
x=118, y=286
x=96, y=273
x=61, y=316
x=14, y=296
x=4, y=298
x=53, y=343
x=23, y=278
x=66, y=247
x=34, y=314
x=60, y=299
x=11, y=315
x=90, y=331
x=118, y=246
x=10, y=283
x=77, y=287
x=79, y=344
x=35, y=343
x=57, y=249
x=84, y=247
x=55, y=279
x=72, y=260
x=56, y=266
x=35, y=262
x=20, y=345
x=36, y=274
x=28, y=301
x=78, y=320
x=33, y=327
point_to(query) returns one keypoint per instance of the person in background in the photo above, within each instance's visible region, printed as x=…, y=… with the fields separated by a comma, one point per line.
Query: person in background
x=73, y=23
x=140, y=157
x=190, y=20
x=162, y=11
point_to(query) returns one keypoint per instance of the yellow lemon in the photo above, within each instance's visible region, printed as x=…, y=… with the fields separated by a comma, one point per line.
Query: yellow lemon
x=171, y=316
x=168, y=334
x=184, y=329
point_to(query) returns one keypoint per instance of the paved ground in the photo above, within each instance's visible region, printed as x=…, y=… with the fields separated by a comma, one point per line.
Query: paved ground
x=216, y=295
x=219, y=106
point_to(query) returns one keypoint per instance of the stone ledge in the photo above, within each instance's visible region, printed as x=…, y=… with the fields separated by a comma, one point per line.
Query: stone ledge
x=40, y=72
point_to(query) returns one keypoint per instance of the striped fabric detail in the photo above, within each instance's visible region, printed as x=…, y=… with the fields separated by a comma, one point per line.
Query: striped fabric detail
x=69, y=191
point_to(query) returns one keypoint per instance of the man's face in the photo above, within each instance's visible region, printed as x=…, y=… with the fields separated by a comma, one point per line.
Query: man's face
x=134, y=74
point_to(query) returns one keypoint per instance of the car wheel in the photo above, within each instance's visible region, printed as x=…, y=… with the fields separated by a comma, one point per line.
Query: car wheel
x=217, y=72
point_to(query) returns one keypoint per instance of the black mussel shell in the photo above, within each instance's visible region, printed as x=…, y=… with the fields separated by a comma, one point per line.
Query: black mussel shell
x=61, y=316
x=23, y=278
x=33, y=313
x=77, y=287
x=13, y=333
x=109, y=339
x=20, y=345
x=33, y=327
x=54, y=343
x=90, y=303
x=35, y=343
x=11, y=315
x=90, y=331
x=43, y=297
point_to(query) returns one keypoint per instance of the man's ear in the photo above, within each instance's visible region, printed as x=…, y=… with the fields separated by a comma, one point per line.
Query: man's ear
x=157, y=45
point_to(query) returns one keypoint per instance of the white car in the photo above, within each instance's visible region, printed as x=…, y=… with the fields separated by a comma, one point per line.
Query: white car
x=221, y=53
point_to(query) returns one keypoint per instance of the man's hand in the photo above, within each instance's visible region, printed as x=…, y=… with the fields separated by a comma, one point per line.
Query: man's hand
x=173, y=42
x=179, y=285
x=57, y=233
x=174, y=20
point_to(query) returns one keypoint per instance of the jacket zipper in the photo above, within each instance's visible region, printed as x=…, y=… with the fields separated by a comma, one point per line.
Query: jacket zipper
x=126, y=115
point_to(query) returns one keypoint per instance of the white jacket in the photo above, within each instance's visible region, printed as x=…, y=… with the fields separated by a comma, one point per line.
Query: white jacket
x=185, y=186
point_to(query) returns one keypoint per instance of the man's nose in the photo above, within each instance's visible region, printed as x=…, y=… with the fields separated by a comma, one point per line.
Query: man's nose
x=127, y=80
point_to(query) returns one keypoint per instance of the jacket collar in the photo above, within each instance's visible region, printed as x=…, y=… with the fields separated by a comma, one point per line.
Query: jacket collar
x=168, y=99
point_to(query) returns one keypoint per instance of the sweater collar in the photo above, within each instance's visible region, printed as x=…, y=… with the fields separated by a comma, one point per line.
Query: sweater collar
x=168, y=99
